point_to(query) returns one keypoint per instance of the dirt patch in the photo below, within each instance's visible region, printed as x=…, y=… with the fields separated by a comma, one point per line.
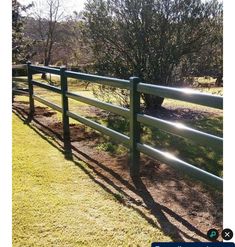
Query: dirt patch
x=181, y=208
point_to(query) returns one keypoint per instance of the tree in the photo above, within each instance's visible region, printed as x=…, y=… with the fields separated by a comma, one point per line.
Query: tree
x=209, y=60
x=76, y=52
x=21, y=45
x=148, y=38
x=47, y=15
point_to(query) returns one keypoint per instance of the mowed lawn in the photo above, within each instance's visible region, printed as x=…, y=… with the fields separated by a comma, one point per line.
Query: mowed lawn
x=55, y=203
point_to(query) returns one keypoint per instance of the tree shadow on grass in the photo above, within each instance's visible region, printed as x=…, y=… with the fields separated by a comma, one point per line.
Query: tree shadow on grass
x=122, y=190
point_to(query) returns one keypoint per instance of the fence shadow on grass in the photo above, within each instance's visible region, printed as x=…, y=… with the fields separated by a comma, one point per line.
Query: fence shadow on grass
x=138, y=188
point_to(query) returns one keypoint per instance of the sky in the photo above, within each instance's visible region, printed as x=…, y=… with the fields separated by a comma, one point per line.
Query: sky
x=69, y=5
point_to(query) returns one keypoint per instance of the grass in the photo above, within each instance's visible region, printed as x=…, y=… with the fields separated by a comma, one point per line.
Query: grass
x=203, y=79
x=55, y=203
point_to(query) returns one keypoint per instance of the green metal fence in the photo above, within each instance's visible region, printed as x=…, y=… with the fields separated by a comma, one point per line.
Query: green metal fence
x=133, y=114
x=19, y=81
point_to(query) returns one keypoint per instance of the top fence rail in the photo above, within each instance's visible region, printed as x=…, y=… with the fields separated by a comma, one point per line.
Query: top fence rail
x=19, y=66
x=182, y=94
x=187, y=95
x=113, y=82
x=44, y=69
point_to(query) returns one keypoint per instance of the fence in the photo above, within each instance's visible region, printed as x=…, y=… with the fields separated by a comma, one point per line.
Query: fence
x=132, y=142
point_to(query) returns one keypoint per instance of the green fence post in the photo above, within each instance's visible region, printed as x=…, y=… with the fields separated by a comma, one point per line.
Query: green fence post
x=30, y=85
x=65, y=108
x=134, y=127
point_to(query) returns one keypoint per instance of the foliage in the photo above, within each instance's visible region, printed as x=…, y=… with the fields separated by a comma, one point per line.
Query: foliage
x=148, y=38
x=58, y=38
x=21, y=45
x=204, y=63
x=44, y=25
x=106, y=94
x=71, y=38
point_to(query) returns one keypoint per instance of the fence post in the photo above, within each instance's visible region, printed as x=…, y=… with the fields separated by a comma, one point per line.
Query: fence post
x=134, y=127
x=30, y=85
x=65, y=108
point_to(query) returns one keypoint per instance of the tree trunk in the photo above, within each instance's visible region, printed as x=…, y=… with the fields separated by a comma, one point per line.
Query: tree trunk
x=219, y=81
x=44, y=76
x=152, y=102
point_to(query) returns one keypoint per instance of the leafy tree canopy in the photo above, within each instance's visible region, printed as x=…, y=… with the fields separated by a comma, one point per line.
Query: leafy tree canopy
x=149, y=38
x=21, y=44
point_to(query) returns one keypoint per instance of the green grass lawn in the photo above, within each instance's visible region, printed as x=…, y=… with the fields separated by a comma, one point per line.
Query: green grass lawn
x=55, y=203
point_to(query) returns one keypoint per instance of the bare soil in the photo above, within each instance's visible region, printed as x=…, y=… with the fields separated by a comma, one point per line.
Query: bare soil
x=181, y=207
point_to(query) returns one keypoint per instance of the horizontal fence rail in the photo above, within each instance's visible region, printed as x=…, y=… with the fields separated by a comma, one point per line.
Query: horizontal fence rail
x=21, y=80
x=189, y=169
x=109, y=81
x=19, y=66
x=49, y=87
x=181, y=130
x=112, y=133
x=136, y=88
x=105, y=106
x=20, y=91
x=48, y=103
x=44, y=69
x=187, y=95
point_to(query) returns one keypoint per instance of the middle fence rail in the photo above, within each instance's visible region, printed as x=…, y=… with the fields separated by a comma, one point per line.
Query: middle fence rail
x=134, y=115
